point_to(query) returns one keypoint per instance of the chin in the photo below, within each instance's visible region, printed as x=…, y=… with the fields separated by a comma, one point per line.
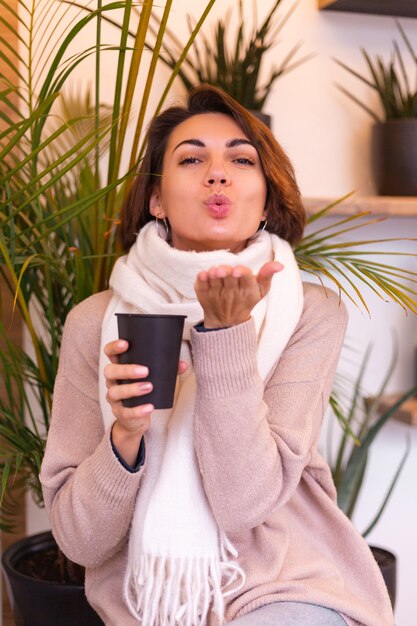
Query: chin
x=230, y=246
x=216, y=238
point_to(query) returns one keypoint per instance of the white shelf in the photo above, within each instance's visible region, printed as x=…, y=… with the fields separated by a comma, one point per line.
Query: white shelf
x=406, y=413
x=399, y=8
x=377, y=205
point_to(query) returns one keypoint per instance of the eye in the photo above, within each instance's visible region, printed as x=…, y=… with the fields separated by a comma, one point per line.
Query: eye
x=191, y=160
x=244, y=161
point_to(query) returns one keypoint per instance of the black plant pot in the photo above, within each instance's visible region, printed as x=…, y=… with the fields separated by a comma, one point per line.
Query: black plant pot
x=394, y=157
x=38, y=602
x=387, y=562
x=263, y=117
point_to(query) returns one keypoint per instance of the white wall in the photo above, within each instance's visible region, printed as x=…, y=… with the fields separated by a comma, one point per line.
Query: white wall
x=327, y=138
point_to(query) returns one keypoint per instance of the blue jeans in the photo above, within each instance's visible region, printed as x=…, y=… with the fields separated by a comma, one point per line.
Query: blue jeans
x=290, y=614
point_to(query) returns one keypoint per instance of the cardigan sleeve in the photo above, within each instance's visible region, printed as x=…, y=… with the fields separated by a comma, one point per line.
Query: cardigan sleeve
x=89, y=495
x=253, y=443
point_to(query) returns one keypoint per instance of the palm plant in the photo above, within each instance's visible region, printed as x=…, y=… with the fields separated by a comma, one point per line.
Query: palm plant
x=58, y=204
x=363, y=420
x=390, y=80
x=59, y=211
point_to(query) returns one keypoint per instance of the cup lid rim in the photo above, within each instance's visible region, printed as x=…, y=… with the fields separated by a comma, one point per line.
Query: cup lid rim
x=149, y=315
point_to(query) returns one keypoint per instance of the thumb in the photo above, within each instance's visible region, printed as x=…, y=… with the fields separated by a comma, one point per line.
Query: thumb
x=265, y=275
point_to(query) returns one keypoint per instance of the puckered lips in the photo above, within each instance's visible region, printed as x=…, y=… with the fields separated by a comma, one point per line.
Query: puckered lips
x=218, y=205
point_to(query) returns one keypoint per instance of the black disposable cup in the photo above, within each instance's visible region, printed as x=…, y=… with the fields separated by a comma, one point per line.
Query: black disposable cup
x=154, y=341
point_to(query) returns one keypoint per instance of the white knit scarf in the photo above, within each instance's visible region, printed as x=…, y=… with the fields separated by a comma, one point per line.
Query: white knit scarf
x=181, y=565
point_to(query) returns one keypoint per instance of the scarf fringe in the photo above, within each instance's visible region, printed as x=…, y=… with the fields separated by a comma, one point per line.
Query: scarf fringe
x=166, y=591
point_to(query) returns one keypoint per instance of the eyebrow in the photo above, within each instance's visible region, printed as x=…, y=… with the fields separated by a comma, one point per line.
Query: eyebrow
x=232, y=143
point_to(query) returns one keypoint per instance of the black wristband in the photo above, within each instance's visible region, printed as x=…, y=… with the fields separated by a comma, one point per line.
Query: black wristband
x=140, y=459
x=202, y=329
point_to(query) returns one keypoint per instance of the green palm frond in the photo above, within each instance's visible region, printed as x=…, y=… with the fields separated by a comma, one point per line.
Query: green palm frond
x=364, y=419
x=390, y=80
x=347, y=264
x=22, y=434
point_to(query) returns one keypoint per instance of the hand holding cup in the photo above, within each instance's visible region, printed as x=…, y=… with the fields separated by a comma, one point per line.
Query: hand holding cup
x=155, y=342
x=131, y=423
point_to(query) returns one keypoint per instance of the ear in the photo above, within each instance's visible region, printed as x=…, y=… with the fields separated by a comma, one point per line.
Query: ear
x=155, y=207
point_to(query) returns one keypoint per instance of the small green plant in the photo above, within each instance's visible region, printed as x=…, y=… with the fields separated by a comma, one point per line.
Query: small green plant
x=361, y=422
x=396, y=92
x=234, y=62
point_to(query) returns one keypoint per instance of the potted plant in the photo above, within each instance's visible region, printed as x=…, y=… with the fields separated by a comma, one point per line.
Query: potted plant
x=58, y=219
x=235, y=68
x=362, y=418
x=234, y=62
x=394, y=134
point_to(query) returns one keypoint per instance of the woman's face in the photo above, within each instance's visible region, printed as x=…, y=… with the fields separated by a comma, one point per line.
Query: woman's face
x=212, y=189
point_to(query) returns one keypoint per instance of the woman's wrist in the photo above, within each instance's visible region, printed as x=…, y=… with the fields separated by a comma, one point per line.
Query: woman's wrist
x=127, y=443
x=213, y=323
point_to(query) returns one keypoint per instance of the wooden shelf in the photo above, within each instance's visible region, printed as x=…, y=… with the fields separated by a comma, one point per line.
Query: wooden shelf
x=408, y=411
x=377, y=205
x=399, y=8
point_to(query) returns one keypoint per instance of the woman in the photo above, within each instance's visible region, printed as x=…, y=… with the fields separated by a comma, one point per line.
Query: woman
x=220, y=510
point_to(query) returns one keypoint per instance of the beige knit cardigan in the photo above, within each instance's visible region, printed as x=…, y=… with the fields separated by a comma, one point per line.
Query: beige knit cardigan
x=267, y=484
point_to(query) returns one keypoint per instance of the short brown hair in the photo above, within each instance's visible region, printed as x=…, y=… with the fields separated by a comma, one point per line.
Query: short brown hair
x=286, y=214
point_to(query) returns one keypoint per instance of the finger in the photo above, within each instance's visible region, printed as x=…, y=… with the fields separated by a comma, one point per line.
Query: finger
x=223, y=270
x=117, y=371
x=182, y=367
x=116, y=393
x=114, y=348
x=244, y=276
x=270, y=268
x=132, y=414
x=216, y=276
x=265, y=275
x=201, y=285
x=241, y=270
x=240, y=277
x=202, y=277
x=206, y=280
x=228, y=280
x=247, y=281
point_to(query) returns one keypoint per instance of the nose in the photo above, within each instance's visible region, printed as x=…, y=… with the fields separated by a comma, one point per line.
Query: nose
x=217, y=175
x=213, y=181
